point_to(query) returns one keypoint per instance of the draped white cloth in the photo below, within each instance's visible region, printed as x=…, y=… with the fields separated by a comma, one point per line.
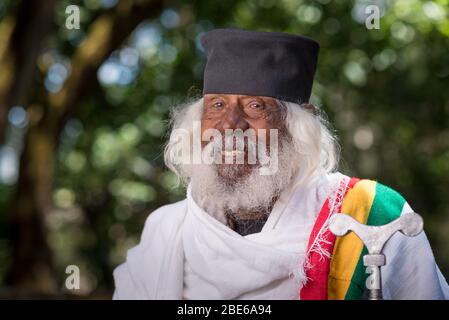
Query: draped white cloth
x=185, y=253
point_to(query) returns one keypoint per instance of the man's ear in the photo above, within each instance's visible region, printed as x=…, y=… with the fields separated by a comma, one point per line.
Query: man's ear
x=310, y=107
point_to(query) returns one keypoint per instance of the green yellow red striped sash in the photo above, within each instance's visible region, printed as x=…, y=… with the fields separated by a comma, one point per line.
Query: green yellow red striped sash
x=369, y=202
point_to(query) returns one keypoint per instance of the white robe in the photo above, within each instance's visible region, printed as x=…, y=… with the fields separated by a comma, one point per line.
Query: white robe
x=185, y=253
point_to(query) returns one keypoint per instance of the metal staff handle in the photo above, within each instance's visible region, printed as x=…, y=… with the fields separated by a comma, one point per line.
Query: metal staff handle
x=374, y=238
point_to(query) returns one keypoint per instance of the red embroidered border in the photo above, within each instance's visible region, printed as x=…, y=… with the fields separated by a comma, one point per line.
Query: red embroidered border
x=317, y=274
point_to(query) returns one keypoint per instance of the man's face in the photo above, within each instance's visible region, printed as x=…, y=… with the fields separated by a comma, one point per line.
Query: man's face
x=229, y=111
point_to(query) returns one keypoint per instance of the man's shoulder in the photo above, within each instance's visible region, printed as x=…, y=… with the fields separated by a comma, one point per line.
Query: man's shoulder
x=171, y=211
x=158, y=238
x=383, y=203
x=167, y=216
x=374, y=187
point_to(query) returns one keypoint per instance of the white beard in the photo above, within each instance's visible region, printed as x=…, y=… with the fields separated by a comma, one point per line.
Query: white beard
x=251, y=193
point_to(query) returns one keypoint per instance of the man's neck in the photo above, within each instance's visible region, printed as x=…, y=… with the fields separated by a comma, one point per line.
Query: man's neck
x=248, y=221
x=247, y=226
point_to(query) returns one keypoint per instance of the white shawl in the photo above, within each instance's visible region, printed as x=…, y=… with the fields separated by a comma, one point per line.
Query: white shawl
x=185, y=253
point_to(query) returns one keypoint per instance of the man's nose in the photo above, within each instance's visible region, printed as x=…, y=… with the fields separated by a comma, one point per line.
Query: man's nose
x=233, y=119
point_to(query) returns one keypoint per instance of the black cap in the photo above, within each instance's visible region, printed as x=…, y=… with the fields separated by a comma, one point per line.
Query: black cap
x=271, y=64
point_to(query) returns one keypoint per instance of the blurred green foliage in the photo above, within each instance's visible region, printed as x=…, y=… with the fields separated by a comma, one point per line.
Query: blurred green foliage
x=385, y=91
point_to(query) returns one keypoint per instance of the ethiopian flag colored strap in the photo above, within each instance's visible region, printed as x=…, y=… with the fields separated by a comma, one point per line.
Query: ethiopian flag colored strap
x=343, y=275
x=371, y=203
x=321, y=243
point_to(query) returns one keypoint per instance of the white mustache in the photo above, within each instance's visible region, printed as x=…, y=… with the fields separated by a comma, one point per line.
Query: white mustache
x=232, y=146
x=236, y=145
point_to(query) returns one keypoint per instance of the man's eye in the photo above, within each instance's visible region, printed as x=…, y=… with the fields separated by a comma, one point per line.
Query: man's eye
x=218, y=105
x=256, y=106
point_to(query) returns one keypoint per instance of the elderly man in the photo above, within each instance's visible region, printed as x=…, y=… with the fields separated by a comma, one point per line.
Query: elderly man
x=260, y=166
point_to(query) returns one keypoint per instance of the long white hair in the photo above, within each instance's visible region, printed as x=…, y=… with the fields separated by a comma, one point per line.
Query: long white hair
x=316, y=145
x=315, y=141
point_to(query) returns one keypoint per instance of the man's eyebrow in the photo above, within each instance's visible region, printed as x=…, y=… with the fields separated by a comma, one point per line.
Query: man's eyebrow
x=253, y=97
x=267, y=100
x=214, y=97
